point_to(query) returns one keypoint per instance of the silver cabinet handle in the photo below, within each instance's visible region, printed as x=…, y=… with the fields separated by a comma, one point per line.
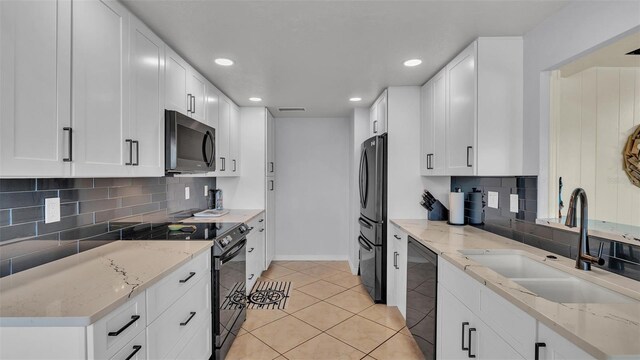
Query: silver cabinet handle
x=223, y=167
x=270, y=185
x=193, y=108
x=234, y=165
x=130, y=142
x=261, y=230
x=468, y=151
x=70, y=130
x=190, y=102
x=137, y=144
x=395, y=260
x=375, y=126
x=271, y=165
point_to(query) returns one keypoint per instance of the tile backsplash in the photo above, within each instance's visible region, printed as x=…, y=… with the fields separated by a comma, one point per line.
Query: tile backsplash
x=620, y=258
x=91, y=213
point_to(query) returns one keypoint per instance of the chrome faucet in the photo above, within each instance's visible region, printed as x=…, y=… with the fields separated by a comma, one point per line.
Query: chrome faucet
x=584, y=258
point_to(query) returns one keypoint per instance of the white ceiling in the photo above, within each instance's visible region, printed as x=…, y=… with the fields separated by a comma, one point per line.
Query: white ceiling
x=612, y=55
x=318, y=54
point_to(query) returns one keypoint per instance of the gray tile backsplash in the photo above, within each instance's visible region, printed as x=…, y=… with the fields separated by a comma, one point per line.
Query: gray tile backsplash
x=92, y=211
x=620, y=258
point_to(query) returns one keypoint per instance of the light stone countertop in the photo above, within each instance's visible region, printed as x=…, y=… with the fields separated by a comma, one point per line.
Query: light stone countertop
x=603, y=330
x=80, y=289
x=234, y=215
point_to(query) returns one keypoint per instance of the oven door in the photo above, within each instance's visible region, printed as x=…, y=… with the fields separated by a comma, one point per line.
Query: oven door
x=230, y=298
x=189, y=144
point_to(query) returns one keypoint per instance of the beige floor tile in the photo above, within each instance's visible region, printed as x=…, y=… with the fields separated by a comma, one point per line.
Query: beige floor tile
x=405, y=331
x=388, y=316
x=250, y=347
x=366, y=358
x=339, y=265
x=353, y=301
x=363, y=334
x=242, y=331
x=286, y=333
x=322, y=315
x=344, y=279
x=299, y=265
x=321, y=272
x=298, y=301
x=324, y=347
x=398, y=347
x=258, y=318
x=298, y=279
x=277, y=271
x=322, y=289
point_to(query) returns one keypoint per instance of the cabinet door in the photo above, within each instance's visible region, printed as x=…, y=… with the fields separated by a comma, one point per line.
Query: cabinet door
x=427, y=128
x=454, y=321
x=222, y=136
x=147, y=101
x=271, y=145
x=211, y=108
x=35, y=68
x=401, y=273
x=196, y=90
x=557, y=347
x=439, y=126
x=391, y=269
x=176, y=74
x=271, y=222
x=485, y=343
x=100, y=89
x=382, y=114
x=373, y=119
x=461, y=122
x=234, y=141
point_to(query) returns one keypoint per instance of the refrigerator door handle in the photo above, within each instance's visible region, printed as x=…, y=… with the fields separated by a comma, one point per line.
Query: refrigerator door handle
x=366, y=180
x=363, y=243
x=364, y=223
x=361, y=184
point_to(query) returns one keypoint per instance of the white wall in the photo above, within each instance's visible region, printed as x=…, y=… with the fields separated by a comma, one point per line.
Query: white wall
x=597, y=111
x=574, y=30
x=312, y=188
x=359, y=132
x=248, y=190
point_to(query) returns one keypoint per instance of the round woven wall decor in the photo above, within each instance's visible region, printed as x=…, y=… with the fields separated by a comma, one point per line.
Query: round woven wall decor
x=631, y=157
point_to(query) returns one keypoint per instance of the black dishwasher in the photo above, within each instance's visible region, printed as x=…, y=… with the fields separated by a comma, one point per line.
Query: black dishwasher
x=422, y=287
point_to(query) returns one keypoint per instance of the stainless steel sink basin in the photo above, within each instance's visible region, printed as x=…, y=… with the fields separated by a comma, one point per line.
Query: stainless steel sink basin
x=544, y=280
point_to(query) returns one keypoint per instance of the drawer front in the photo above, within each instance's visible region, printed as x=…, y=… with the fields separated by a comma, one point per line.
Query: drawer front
x=136, y=349
x=161, y=295
x=461, y=285
x=180, y=320
x=257, y=222
x=198, y=346
x=114, y=331
x=514, y=325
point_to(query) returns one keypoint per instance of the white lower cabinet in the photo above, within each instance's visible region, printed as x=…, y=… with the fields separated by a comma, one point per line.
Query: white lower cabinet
x=256, y=248
x=136, y=349
x=397, y=270
x=199, y=346
x=474, y=321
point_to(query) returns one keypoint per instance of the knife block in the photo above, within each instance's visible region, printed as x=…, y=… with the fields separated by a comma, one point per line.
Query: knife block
x=439, y=212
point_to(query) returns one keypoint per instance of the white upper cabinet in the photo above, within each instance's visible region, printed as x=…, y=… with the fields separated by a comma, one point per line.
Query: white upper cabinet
x=378, y=115
x=176, y=75
x=147, y=101
x=211, y=107
x=35, y=104
x=196, y=95
x=271, y=145
x=472, y=112
x=234, y=140
x=100, y=88
x=222, y=136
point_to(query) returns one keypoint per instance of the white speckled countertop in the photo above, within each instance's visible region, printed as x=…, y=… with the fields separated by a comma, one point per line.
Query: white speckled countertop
x=234, y=215
x=602, y=330
x=80, y=289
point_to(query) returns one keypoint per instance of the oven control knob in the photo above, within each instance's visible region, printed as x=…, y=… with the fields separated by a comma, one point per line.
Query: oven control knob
x=226, y=240
x=242, y=229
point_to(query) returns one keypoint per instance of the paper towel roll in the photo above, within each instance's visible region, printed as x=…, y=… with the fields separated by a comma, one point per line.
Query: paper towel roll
x=456, y=208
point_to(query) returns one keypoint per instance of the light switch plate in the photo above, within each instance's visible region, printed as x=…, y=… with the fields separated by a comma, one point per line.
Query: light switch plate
x=513, y=203
x=51, y=210
x=492, y=199
x=187, y=194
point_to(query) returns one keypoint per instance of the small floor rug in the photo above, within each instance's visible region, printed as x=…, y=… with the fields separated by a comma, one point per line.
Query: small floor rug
x=236, y=299
x=269, y=295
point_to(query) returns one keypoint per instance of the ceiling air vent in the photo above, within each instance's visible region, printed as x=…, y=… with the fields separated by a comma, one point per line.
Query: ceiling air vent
x=634, y=52
x=292, y=109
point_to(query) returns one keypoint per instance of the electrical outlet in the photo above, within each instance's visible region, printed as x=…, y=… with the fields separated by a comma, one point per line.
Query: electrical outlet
x=206, y=190
x=187, y=194
x=513, y=203
x=492, y=199
x=51, y=210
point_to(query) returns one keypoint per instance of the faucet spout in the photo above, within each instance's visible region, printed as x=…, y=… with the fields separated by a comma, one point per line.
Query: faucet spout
x=584, y=258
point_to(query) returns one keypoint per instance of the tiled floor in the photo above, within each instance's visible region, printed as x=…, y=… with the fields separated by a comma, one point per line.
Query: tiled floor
x=329, y=316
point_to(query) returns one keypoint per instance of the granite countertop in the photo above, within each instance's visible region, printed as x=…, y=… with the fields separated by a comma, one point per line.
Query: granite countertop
x=234, y=215
x=80, y=289
x=602, y=330
x=623, y=233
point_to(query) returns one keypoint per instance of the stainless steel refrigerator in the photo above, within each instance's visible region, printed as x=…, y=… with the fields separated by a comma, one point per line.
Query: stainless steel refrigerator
x=373, y=217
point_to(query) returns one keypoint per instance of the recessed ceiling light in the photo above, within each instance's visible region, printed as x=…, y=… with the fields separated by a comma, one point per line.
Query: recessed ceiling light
x=224, y=62
x=354, y=99
x=412, y=62
x=255, y=99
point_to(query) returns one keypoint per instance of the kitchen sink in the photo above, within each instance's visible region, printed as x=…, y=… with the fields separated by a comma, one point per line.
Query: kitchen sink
x=544, y=280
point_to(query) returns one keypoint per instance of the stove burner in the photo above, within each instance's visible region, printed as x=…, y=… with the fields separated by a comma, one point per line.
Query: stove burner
x=266, y=297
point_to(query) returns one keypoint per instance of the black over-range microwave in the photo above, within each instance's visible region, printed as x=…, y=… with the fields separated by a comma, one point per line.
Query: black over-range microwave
x=190, y=145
